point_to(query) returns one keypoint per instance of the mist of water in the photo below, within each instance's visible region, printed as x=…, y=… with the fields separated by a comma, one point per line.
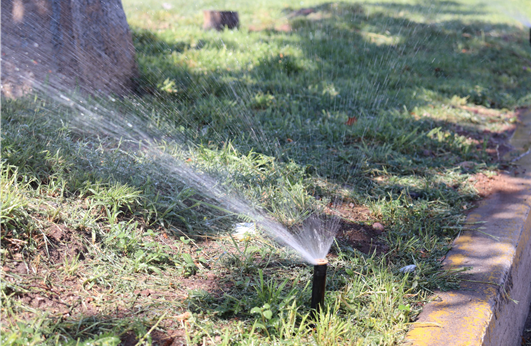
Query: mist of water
x=512, y=10
x=311, y=240
x=519, y=17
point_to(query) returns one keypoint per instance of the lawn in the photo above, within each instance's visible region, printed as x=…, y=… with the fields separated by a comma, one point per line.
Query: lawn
x=386, y=119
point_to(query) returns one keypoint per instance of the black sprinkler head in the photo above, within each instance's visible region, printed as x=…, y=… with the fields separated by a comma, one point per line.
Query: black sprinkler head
x=319, y=287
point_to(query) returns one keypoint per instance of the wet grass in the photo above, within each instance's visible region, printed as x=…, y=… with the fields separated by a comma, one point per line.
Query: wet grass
x=389, y=108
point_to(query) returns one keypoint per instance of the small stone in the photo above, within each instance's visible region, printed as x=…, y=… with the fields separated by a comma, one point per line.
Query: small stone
x=378, y=227
x=408, y=269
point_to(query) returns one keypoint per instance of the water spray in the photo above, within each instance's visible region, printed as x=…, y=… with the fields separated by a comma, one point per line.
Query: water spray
x=319, y=287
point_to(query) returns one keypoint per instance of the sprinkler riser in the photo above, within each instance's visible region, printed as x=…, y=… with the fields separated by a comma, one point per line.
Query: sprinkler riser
x=318, y=288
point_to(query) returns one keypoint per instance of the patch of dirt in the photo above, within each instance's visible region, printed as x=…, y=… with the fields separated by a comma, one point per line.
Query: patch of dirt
x=64, y=243
x=46, y=300
x=362, y=237
x=354, y=230
x=159, y=338
x=74, y=298
x=210, y=283
x=351, y=212
x=498, y=148
x=498, y=140
x=487, y=185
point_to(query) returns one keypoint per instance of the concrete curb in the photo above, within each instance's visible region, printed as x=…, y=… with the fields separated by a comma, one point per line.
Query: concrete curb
x=498, y=251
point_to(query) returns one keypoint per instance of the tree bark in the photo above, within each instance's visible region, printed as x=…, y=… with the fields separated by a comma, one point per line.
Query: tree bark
x=220, y=19
x=66, y=44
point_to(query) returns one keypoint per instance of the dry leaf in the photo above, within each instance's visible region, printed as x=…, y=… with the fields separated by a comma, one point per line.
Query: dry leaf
x=351, y=121
x=184, y=316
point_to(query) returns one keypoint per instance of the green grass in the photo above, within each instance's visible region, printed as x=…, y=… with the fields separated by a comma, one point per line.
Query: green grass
x=389, y=107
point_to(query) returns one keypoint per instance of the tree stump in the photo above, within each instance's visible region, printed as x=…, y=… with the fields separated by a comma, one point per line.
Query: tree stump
x=220, y=19
x=66, y=44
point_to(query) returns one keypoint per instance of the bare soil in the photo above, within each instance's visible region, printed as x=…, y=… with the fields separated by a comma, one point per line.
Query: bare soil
x=357, y=229
x=486, y=186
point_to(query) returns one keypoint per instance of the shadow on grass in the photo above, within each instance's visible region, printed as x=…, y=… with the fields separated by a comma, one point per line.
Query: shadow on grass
x=371, y=69
x=353, y=66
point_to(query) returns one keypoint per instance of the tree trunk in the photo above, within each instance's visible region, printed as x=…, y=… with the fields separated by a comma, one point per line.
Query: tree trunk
x=220, y=19
x=66, y=44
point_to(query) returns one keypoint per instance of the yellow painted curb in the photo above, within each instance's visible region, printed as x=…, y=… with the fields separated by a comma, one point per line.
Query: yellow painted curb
x=491, y=306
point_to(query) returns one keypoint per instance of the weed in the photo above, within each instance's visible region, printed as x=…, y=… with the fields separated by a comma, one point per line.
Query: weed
x=13, y=205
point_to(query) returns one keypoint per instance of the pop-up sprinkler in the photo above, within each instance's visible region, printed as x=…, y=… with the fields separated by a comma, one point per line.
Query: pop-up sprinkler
x=319, y=286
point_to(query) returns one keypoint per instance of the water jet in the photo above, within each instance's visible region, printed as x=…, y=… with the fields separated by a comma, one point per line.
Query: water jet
x=319, y=286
